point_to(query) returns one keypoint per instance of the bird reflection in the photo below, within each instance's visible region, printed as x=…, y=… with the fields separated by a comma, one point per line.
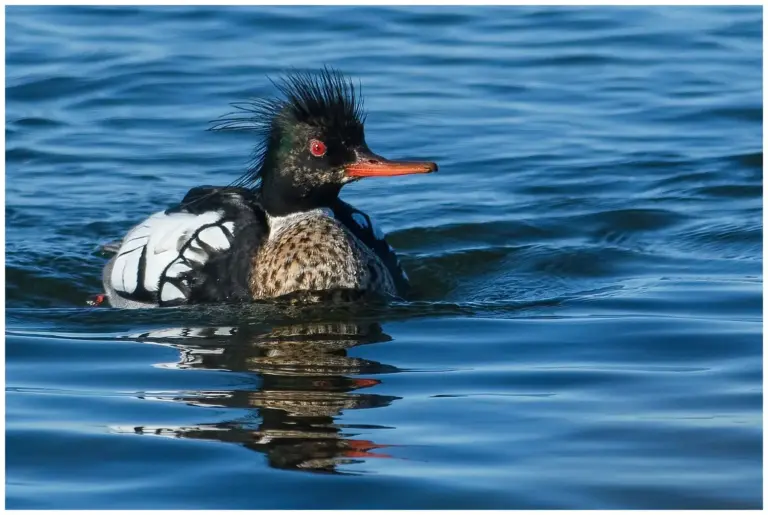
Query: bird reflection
x=300, y=385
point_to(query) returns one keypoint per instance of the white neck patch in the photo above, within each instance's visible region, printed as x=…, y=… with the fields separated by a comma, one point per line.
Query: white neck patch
x=277, y=224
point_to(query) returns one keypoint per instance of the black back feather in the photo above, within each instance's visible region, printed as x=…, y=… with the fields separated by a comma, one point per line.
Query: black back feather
x=325, y=98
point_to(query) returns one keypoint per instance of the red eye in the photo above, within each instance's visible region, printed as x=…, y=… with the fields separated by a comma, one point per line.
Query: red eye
x=317, y=148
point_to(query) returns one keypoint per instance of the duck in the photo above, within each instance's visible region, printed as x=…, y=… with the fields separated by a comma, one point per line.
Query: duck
x=280, y=231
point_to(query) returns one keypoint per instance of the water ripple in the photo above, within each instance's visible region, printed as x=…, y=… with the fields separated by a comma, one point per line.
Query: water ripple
x=586, y=324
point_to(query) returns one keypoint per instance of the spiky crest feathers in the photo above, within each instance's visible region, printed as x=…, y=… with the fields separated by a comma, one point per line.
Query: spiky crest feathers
x=326, y=99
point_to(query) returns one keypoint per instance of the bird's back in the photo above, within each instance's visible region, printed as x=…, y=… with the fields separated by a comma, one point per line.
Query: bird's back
x=219, y=245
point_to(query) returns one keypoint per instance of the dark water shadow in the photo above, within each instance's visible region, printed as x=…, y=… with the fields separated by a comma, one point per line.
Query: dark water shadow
x=299, y=384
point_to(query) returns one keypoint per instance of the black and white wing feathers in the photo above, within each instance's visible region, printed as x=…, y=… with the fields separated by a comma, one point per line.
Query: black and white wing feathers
x=188, y=253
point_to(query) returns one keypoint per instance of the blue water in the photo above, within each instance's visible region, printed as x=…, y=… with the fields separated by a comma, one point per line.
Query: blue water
x=586, y=328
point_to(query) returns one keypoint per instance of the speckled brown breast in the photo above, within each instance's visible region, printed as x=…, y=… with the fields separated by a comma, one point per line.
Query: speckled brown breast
x=314, y=252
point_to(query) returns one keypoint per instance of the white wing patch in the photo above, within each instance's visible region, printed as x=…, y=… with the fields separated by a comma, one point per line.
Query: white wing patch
x=360, y=220
x=376, y=231
x=366, y=222
x=169, y=293
x=214, y=237
x=176, y=269
x=155, y=245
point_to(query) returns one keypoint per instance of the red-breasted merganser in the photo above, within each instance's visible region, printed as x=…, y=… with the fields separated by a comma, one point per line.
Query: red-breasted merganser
x=281, y=230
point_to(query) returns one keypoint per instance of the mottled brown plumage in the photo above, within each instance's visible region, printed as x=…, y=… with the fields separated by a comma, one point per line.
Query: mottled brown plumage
x=314, y=252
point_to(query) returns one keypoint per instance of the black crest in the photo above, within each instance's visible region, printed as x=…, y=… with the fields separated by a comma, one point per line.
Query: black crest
x=325, y=98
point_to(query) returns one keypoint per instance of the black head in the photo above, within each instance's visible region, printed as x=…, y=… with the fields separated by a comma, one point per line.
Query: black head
x=314, y=142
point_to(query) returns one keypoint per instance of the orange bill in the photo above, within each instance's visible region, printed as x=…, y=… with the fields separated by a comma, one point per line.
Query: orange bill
x=387, y=168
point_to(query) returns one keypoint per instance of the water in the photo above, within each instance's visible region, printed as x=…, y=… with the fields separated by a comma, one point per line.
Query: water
x=586, y=331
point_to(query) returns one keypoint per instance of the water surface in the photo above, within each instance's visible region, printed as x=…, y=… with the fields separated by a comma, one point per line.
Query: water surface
x=586, y=329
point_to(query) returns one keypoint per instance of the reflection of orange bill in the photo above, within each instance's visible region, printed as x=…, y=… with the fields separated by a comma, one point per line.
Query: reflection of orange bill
x=365, y=383
x=360, y=448
x=364, y=454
